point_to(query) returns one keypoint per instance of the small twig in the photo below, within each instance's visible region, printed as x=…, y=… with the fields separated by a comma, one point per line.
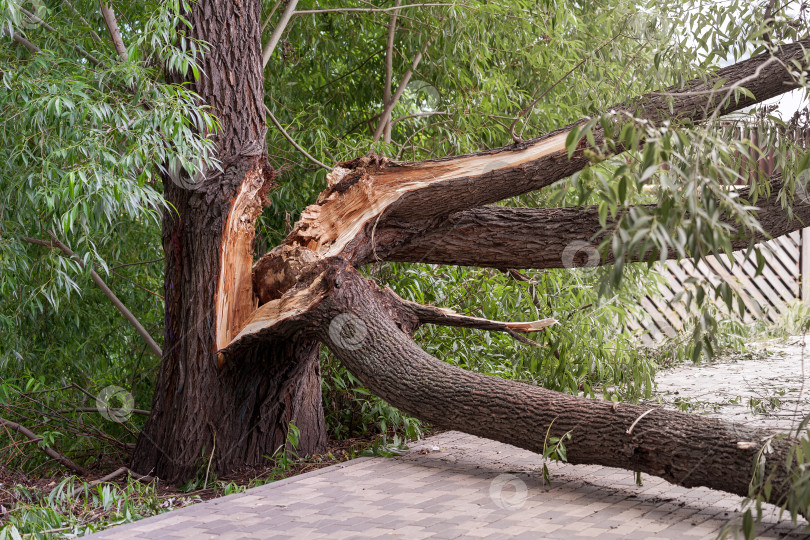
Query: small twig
x=150, y=291
x=115, y=32
x=211, y=458
x=95, y=61
x=83, y=20
x=110, y=409
x=400, y=89
x=115, y=474
x=389, y=68
x=116, y=267
x=630, y=429
x=518, y=138
x=270, y=16
x=278, y=31
x=61, y=458
x=292, y=142
x=417, y=115
x=155, y=348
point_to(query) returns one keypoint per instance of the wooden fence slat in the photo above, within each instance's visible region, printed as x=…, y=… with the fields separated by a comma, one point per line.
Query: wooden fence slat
x=767, y=296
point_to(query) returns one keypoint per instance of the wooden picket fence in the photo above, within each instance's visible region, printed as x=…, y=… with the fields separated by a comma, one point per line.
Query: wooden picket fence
x=766, y=296
x=787, y=258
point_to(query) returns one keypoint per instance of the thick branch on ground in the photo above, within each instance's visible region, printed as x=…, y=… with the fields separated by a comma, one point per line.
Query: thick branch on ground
x=61, y=458
x=503, y=237
x=368, y=193
x=369, y=331
x=54, y=243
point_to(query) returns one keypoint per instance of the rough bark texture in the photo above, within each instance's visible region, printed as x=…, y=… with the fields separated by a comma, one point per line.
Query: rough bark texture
x=369, y=328
x=542, y=237
x=201, y=411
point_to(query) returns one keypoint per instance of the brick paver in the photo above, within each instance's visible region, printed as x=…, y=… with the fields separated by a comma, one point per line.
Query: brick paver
x=469, y=488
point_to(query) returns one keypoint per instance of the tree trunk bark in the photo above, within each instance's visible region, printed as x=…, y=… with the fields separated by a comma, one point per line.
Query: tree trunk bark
x=202, y=411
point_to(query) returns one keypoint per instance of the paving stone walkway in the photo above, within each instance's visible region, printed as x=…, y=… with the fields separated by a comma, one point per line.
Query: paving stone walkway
x=455, y=485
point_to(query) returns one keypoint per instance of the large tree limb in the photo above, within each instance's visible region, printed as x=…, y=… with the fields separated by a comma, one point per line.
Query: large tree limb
x=368, y=193
x=504, y=237
x=369, y=329
x=688, y=450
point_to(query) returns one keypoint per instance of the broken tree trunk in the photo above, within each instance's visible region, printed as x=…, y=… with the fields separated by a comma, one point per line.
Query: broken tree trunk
x=377, y=210
x=202, y=412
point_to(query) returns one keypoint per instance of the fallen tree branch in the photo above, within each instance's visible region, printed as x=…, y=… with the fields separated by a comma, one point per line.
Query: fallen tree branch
x=55, y=243
x=368, y=194
x=504, y=237
x=292, y=141
x=112, y=476
x=369, y=330
x=685, y=449
x=61, y=458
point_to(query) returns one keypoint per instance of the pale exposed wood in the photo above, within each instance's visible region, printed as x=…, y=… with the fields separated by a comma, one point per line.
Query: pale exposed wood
x=235, y=300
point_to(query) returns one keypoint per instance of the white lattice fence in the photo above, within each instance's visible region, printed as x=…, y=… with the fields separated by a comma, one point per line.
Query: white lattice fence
x=766, y=296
